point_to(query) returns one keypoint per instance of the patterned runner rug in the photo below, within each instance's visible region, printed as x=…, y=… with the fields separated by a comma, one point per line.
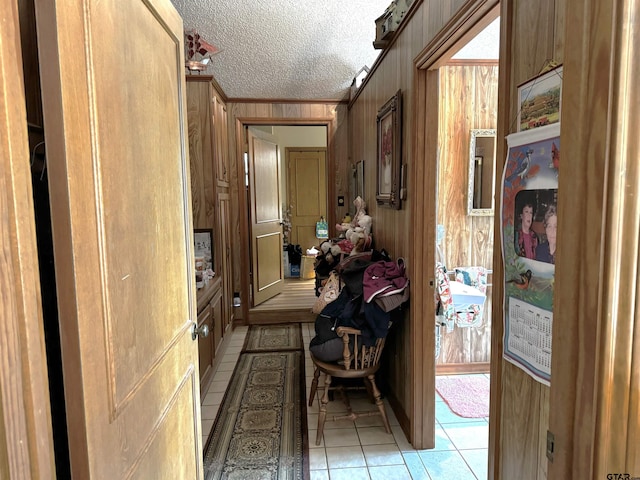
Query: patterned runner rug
x=269, y=338
x=260, y=433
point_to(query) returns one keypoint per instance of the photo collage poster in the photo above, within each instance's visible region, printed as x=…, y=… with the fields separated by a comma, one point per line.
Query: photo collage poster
x=529, y=227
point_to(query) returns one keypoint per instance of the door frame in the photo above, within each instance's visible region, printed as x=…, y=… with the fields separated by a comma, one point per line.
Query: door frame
x=243, y=207
x=466, y=24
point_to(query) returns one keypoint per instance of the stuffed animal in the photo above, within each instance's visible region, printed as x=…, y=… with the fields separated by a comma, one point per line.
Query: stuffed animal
x=365, y=222
x=330, y=250
x=361, y=209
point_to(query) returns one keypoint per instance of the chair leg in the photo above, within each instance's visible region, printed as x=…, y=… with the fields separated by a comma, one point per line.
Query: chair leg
x=314, y=386
x=380, y=403
x=322, y=416
x=367, y=385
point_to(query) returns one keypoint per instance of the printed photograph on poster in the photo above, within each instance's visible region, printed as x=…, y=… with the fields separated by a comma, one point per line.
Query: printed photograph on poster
x=529, y=228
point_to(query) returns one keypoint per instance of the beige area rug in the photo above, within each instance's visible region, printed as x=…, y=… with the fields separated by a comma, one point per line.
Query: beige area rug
x=268, y=338
x=261, y=431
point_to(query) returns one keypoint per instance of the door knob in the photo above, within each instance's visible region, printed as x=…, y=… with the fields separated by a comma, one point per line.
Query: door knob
x=202, y=331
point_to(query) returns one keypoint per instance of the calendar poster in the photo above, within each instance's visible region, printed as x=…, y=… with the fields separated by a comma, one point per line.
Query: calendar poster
x=529, y=228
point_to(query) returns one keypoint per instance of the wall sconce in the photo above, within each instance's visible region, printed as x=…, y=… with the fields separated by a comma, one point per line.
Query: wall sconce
x=236, y=299
x=197, y=52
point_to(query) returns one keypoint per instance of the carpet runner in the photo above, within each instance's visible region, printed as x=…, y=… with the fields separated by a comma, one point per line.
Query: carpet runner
x=261, y=431
x=267, y=338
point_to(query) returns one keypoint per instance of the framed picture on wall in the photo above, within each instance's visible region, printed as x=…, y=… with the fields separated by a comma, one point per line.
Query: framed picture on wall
x=389, y=152
x=359, y=179
x=539, y=100
x=203, y=253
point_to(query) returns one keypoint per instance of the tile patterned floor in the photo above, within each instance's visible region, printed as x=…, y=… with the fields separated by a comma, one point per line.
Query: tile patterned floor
x=364, y=450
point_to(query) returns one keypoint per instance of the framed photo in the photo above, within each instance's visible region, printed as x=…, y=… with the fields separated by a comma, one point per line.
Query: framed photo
x=359, y=180
x=203, y=253
x=389, y=152
x=539, y=100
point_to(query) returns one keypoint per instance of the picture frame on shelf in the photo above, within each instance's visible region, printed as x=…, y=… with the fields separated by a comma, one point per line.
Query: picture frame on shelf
x=540, y=100
x=203, y=254
x=389, y=152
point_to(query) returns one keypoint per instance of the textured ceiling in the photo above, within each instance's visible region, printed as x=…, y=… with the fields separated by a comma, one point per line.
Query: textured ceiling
x=286, y=49
x=297, y=49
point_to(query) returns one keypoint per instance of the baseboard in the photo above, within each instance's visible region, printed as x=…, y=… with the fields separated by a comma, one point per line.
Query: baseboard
x=281, y=316
x=400, y=414
x=462, y=368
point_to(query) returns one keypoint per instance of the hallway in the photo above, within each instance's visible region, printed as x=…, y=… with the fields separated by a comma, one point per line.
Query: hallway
x=364, y=451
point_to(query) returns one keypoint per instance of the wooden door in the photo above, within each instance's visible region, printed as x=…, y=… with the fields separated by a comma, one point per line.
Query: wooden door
x=264, y=216
x=26, y=441
x=226, y=269
x=115, y=120
x=307, y=183
x=221, y=141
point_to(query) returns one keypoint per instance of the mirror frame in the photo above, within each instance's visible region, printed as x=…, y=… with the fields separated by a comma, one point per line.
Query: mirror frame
x=475, y=133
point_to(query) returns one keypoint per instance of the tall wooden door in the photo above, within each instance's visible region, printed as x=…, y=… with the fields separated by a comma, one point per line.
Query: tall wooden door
x=264, y=216
x=307, y=193
x=115, y=121
x=26, y=439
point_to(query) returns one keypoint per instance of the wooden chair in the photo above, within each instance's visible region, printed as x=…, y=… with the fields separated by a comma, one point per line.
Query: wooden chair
x=362, y=363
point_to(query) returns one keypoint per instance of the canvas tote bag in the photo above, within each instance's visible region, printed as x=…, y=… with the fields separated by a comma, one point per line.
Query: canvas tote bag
x=329, y=293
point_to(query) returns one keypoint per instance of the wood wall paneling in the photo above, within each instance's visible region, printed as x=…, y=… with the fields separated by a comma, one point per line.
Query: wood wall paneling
x=468, y=100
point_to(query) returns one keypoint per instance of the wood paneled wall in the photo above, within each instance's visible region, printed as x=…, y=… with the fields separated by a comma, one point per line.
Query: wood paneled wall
x=468, y=100
x=392, y=229
x=282, y=113
x=530, y=37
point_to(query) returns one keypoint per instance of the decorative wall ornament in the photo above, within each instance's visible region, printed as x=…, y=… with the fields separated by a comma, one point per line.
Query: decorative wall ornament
x=197, y=52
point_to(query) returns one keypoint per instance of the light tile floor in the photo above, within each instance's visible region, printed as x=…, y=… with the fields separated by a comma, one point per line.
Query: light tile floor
x=364, y=450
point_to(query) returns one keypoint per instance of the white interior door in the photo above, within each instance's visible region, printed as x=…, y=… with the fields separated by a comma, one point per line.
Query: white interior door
x=265, y=217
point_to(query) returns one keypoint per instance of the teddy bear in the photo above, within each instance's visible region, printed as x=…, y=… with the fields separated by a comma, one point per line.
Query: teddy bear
x=360, y=236
x=330, y=250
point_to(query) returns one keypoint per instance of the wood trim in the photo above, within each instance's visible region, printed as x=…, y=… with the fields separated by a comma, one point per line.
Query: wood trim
x=313, y=101
x=210, y=79
x=258, y=317
x=425, y=148
x=26, y=438
x=497, y=310
x=468, y=62
x=286, y=122
x=399, y=412
x=463, y=368
x=468, y=21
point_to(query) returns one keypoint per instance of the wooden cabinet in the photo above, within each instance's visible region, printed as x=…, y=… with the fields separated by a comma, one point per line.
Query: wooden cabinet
x=206, y=352
x=210, y=175
x=221, y=141
x=217, y=314
x=224, y=234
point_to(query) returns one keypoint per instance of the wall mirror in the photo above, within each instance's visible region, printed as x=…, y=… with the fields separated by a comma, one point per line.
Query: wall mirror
x=482, y=165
